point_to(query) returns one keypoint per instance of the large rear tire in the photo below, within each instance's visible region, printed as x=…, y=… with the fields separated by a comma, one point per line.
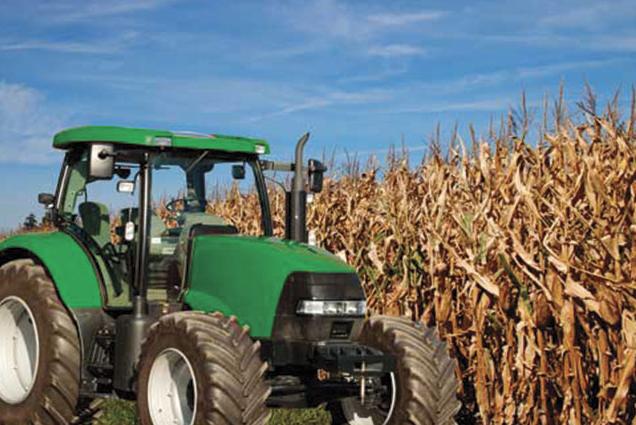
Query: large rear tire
x=198, y=368
x=422, y=391
x=39, y=349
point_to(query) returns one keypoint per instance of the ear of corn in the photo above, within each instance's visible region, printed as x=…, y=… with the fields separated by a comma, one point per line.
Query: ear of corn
x=521, y=253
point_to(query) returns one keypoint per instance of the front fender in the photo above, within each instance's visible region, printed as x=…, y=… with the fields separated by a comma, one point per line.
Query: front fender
x=72, y=271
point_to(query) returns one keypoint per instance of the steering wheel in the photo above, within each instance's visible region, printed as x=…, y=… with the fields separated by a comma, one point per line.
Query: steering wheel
x=172, y=205
x=176, y=209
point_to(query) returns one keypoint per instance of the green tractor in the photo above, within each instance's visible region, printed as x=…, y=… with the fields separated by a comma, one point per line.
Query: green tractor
x=175, y=309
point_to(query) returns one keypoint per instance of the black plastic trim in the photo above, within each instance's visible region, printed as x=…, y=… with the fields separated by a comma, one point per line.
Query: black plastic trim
x=329, y=355
x=289, y=326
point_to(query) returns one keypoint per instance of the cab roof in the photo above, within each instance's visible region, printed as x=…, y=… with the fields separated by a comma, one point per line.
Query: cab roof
x=158, y=138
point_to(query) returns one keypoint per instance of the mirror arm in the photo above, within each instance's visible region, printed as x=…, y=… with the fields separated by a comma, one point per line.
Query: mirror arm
x=103, y=155
x=277, y=166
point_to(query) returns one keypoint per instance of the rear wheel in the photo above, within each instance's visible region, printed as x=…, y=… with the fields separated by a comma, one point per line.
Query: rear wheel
x=197, y=368
x=421, y=391
x=39, y=349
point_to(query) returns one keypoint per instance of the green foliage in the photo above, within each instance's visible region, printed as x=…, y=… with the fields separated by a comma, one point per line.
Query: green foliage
x=121, y=412
x=117, y=412
x=300, y=417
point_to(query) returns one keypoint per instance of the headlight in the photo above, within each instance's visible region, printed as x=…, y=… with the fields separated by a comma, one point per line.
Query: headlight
x=332, y=308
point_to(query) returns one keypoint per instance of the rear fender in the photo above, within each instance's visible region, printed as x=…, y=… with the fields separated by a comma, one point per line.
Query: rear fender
x=75, y=277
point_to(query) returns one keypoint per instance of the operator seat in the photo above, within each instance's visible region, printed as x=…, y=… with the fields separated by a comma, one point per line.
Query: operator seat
x=96, y=221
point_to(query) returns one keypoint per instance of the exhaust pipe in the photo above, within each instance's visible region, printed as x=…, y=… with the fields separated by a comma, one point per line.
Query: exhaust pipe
x=296, y=199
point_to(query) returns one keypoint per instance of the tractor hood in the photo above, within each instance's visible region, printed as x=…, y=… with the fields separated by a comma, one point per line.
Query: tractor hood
x=244, y=276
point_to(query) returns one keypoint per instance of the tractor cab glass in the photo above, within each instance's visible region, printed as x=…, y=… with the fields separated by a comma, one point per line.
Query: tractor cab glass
x=185, y=188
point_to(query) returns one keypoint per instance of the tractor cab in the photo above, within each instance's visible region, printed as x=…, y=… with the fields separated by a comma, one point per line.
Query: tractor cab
x=105, y=186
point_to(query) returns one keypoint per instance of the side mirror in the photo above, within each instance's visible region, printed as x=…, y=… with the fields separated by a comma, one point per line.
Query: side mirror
x=46, y=199
x=316, y=175
x=238, y=172
x=101, y=164
x=125, y=186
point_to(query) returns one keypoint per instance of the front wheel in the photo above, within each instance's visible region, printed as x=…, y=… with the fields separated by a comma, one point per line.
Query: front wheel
x=421, y=391
x=198, y=368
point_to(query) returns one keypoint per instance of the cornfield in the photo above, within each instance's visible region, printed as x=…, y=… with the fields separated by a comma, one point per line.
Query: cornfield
x=519, y=246
x=520, y=251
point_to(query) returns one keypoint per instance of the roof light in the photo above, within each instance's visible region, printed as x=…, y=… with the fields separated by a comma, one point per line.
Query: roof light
x=259, y=149
x=193, y=134
x=163, y=141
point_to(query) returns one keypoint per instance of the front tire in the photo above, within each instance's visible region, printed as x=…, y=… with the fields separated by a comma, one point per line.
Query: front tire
x=198, y=368
x=39, y=349
x=422, y=390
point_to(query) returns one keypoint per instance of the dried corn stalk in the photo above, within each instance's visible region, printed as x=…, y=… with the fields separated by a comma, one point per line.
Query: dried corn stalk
x=523, y=255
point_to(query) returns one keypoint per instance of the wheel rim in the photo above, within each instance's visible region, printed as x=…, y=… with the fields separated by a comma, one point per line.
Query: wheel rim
x=357, y=414
x=172, y=389
x=19, y=350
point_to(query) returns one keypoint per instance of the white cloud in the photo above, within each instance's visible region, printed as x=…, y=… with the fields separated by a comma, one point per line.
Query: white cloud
x=615, y=43
x=321, y=101
x=603, y=43
x=302, y=106
x=558, y=68
x=590, y=15
x=393, y=19
x=482, y=105
x=393, y=50
x=26, y=126
x=506, y=76
x=102, y=46
x=345, y=21
x=375, y=77
x=64, y=46
x=74, y=11
x=326, y=18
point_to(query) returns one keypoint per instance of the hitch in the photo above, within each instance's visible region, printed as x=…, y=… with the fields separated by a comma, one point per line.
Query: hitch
x=354, y=359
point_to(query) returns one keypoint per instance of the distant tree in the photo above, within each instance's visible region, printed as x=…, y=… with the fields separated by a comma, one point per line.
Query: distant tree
x=30, y=223
x=47, y=220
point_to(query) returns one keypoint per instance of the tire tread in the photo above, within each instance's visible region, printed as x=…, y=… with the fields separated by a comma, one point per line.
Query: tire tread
x=59, y=397
x=427, y=395
x=233, y=365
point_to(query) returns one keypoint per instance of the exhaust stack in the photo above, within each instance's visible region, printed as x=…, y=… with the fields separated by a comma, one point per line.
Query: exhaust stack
x=296, y=217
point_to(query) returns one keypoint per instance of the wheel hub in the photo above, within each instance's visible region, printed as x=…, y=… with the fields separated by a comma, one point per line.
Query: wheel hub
x=19, y=350
x=172, y=389
x=380, y=413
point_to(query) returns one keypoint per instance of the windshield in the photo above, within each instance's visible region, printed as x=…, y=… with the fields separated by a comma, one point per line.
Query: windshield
x=185, y=187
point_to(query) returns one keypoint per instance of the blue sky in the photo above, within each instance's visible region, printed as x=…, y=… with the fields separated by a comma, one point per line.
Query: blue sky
x=360, y=75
